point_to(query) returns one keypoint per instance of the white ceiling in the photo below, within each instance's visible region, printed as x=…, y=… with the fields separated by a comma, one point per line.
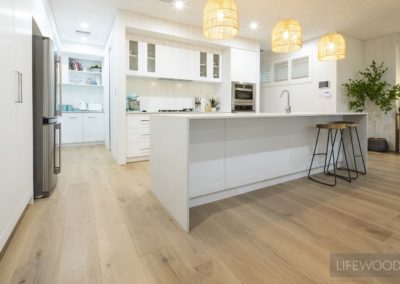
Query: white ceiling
x=362, y=19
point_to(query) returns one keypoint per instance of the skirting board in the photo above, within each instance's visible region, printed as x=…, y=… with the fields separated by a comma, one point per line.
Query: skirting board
x=13, y=223
x=200, y=200
x=137, y=159
x=83, y=144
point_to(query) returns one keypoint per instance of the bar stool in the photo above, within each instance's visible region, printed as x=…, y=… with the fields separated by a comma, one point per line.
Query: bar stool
x=331, y=141
x=353, y=126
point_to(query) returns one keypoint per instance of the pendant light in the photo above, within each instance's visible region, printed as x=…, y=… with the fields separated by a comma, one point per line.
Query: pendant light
x=220, y=19
x=287, y=36
x=331, y=46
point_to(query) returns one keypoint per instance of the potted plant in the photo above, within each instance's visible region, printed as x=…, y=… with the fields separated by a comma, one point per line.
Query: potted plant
x=380, y=96
x=95, y=68
x=214, y=102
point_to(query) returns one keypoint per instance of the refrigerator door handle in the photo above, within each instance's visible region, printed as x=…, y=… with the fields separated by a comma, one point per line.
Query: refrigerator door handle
x=57, y=156
x=58, y=61
x=19, y=88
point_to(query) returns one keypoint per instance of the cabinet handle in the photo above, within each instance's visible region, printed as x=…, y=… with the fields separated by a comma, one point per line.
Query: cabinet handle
x=73, y=117
x=145, y=134
x=58, y=62
x=19, y=88
x=91, y=117
x=144, y=120
x=142, y=149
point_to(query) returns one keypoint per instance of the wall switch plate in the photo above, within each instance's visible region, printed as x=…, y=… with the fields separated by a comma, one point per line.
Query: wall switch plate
x=324, y=84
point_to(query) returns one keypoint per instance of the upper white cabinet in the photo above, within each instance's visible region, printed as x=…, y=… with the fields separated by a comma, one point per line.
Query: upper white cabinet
x=244, y=66
x=171, y=62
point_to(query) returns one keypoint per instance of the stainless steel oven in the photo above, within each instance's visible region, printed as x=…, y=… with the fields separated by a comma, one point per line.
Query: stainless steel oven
x=243, y=97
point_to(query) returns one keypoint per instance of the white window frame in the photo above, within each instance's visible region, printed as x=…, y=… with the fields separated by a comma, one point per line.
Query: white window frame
x=291, y=81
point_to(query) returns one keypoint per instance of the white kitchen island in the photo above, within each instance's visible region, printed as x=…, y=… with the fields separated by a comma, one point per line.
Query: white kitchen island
x=200, y=158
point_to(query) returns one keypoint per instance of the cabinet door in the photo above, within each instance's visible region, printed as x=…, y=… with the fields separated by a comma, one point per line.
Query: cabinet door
x=93, y=127
x=72, y=128
x=15, y=118
x=244, y=65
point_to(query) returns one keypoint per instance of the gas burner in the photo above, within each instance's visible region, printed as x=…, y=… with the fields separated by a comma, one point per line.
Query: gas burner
x=177, y=110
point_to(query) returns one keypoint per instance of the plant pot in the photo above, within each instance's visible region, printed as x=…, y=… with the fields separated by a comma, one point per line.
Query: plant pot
x=214, y=109
x=378, y=145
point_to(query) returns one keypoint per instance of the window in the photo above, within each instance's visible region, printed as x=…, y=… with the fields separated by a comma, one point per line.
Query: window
x=300, y=68
x=281, y=71
x=265, y=74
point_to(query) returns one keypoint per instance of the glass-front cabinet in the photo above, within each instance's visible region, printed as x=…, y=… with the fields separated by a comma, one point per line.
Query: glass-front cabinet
x=203, y=64
x=210, y=66
x=216, y=66
x=151, y=58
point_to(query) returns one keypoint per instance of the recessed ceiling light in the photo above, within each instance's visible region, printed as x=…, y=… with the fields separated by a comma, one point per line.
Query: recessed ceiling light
x=179, y=5
x=83, y=25
x=253, y=25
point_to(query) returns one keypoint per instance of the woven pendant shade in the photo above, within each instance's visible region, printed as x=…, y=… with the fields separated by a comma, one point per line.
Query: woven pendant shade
x=331, y=47
x=287, y=36
x=220, y=19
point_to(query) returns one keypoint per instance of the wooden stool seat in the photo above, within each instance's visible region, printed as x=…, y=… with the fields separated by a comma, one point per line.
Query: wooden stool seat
x=349, y=123
x=332, y=126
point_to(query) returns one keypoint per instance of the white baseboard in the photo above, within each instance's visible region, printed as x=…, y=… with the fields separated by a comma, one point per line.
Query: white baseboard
x=137, y=159
x=6, y=233
x=83, y=144
x=204, y=199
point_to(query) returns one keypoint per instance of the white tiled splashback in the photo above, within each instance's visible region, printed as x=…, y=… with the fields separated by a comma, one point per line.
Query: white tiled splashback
x=154, y=104
x=168, y=94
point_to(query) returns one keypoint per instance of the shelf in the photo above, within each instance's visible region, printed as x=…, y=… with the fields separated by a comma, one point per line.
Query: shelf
x=82, y=85
x=85, y=72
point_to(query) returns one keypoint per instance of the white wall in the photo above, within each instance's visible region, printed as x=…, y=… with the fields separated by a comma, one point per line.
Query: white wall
x=305, y=97
x=43, y=17
x=384, y=49
x=82, y=49
x=348, y=68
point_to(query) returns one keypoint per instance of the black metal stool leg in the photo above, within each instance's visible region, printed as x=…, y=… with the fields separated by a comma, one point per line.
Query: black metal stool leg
x=361, y=154
x=354, y=153
x=314, y=153
x=330, y=137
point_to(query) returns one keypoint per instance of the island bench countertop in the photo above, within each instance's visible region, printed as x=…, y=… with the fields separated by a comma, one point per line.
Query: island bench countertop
x=258, y=115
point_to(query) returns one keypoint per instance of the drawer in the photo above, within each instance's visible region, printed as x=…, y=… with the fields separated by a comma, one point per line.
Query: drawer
x=137, y=149
x=137, y=135
x=139, y=121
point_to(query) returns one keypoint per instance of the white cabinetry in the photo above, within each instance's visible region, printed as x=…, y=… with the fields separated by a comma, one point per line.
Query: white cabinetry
x=137, y=137
x=93, y=127
x=244, y=66
x=71, y=128
x=82, y=128
x=171, y=62
x=16, y=151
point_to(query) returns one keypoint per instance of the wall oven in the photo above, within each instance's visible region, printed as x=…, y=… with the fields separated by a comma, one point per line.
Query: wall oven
x=243, y=97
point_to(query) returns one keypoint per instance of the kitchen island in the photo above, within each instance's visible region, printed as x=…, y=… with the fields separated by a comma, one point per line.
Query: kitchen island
x=200, y=158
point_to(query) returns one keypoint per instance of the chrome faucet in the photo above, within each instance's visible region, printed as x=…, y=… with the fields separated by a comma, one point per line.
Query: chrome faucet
x=288, y=107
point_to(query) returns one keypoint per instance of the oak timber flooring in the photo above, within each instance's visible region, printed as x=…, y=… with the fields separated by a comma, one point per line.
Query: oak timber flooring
x=102, y=225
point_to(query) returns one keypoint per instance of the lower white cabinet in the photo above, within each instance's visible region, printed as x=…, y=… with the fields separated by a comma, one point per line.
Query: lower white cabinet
x=71, y=128
x=93, y=127
x=82, y=127
x=137, y=137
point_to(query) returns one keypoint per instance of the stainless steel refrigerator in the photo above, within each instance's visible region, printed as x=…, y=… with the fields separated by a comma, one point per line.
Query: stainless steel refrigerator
x=47, y=90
